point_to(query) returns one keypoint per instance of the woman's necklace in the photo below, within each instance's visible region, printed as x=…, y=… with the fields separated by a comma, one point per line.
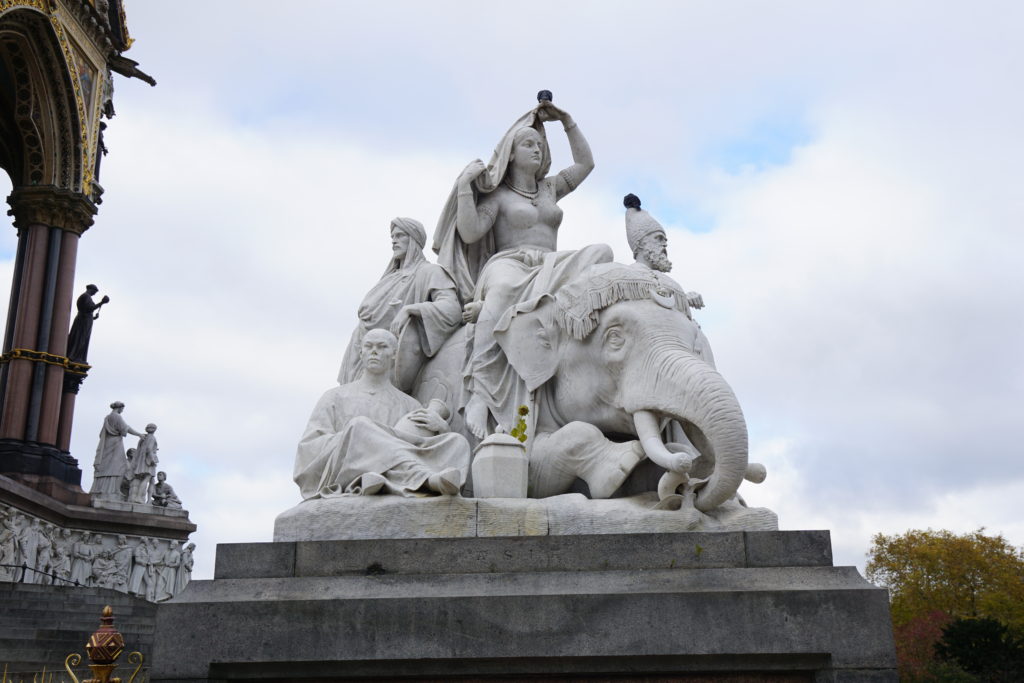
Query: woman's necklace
x=532, y=196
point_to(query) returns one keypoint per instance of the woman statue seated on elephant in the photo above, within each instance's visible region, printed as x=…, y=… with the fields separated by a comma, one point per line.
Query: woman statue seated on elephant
x=497, y=236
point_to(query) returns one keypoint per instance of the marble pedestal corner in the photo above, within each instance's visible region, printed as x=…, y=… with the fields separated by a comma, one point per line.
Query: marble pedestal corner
x=767, y=606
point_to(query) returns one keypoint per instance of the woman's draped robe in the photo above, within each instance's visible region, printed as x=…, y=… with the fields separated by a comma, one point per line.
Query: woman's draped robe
x=488, y=374
x=536, y=274
x=111, y=461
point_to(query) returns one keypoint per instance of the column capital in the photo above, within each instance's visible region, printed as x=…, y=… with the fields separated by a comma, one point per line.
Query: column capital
x=52, y=206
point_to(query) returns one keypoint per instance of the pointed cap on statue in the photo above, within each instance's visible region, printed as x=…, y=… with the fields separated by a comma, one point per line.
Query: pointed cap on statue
x=639, y=223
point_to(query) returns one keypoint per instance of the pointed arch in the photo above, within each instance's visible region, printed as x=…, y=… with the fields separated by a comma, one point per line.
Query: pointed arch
x=40, y=115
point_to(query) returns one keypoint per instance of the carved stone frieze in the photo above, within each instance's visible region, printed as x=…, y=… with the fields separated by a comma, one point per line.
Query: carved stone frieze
x=33, y=550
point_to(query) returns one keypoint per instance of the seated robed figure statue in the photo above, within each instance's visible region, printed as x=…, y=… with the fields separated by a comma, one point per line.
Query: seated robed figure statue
x=415, y=299
x=367, y=437
x=497, y=236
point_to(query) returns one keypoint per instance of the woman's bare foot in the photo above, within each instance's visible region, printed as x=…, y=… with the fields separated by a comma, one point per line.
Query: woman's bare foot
x=476, y=417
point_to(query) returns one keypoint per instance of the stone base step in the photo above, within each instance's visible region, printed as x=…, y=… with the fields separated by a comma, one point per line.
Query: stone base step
x=691, y=606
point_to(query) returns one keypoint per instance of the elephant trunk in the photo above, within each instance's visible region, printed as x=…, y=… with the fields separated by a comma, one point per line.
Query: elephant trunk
x=673, y=383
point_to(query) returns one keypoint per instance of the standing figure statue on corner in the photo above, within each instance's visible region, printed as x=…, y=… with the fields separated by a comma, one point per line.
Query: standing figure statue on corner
x=81, y=328
x=111, y=463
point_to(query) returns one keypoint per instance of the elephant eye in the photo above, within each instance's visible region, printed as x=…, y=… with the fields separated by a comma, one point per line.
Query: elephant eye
x=613, y=338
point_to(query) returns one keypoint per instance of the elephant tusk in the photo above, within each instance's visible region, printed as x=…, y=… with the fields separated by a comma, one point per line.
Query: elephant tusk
x=669, y=484
x=647, y=430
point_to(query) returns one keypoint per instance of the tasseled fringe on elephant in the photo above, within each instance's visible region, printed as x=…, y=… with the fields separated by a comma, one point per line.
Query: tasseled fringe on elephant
x=578, y=307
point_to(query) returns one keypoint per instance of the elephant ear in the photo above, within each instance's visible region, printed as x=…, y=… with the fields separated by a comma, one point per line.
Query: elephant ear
x=529, y=336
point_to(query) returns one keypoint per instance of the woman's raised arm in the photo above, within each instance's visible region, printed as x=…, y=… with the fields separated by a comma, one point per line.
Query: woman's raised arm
x=568, y=179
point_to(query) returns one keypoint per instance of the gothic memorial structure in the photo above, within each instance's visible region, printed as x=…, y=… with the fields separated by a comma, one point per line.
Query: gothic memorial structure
x=125, y=540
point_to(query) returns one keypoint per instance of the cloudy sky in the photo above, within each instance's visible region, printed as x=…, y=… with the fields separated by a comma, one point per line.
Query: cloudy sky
x=841, y=181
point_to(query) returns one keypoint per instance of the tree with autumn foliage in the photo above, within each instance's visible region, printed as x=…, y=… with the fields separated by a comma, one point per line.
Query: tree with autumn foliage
x=938, y=580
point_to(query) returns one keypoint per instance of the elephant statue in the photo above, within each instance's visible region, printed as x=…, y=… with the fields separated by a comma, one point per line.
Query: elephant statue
x=612, y=363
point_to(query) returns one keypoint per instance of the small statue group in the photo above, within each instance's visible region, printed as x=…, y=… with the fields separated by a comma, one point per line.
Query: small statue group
x=129, y=476
x=33, y=551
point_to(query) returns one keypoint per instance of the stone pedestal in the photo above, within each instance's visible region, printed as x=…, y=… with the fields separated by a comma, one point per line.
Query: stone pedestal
x=347, y=518
x=751, y=606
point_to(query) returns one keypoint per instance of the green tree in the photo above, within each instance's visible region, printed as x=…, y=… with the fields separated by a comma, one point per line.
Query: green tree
x=983, y=647
x=964, y=576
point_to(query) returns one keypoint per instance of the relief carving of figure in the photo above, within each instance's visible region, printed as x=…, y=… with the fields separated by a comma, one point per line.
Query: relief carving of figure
x=143, y=466
x=350, y=445
x=154, y=569
x=61, y=565
x=137, y=583
x=63, y=553
x=44, y=560
x=8, y=547
x=104, y=569
x=29, y=539
x=185, y=570
x=83, y=553
x=123, y=561
x=497, y=236
x=81, y=328
x=111, y=463
x=167, y=579
x=415, y=299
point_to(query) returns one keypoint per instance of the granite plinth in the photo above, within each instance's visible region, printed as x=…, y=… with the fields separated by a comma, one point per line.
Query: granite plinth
x=365, y=517
x=19, y=457
x=765, y=605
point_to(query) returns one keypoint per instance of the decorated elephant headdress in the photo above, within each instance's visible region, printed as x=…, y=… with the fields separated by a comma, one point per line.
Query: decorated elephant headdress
x=579, y=304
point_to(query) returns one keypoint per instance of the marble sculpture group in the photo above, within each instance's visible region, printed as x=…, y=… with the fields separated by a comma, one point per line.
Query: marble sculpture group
x=594, y=366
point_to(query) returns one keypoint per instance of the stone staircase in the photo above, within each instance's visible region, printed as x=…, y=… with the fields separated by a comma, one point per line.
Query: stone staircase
x=41, y=625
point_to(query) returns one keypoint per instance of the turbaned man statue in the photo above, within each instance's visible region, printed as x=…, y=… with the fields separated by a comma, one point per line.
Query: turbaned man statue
x=415, y=299
x=367, y=437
